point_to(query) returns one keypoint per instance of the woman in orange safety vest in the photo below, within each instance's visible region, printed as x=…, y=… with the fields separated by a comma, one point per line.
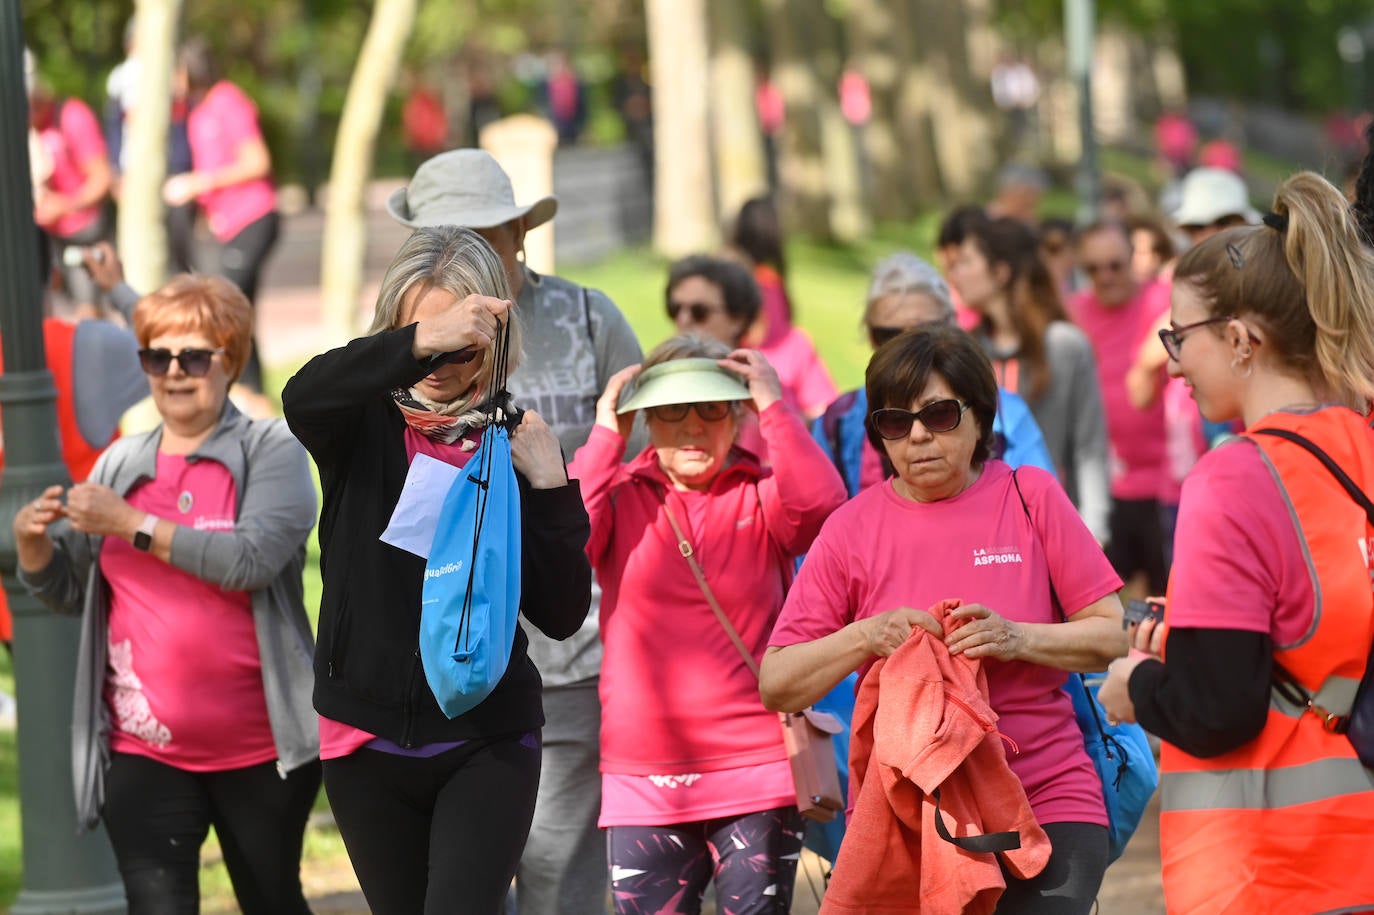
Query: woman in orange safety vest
x=1265, y=807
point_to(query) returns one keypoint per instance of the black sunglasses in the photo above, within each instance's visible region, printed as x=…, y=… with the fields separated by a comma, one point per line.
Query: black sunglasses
x=938, y=416
x=1172, y=337
x=710, y=411
x=1107, y=266
x=699, y=311
x=194, y=362
x=880, y=335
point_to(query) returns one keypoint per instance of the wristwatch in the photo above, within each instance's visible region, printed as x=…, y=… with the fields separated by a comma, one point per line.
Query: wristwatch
x=143, y=538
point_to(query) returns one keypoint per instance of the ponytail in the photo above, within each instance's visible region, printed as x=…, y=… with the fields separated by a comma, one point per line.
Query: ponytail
x=1325, y=247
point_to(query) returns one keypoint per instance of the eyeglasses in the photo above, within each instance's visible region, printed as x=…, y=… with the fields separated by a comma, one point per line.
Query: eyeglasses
x=1172, y=337
x=698, y=311
x=938, y=416
x=880, y=335
x=1105, y=267
x=710, y=411
x=194, y=362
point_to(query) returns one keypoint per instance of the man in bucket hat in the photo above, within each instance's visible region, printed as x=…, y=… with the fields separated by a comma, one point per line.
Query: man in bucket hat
x=575, y=339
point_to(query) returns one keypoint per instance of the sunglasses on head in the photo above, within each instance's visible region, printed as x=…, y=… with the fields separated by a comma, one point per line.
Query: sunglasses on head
x=699, y=312
x=194, y=362
x=711, y=411
x=937, y=416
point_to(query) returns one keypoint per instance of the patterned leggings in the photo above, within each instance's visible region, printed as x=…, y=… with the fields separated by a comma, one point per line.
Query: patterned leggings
x=663, y=870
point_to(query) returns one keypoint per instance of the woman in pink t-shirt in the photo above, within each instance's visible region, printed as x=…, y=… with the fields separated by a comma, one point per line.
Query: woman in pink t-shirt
x=956, y=524
x=230, y=176
x=183, y=555
x=695, y=777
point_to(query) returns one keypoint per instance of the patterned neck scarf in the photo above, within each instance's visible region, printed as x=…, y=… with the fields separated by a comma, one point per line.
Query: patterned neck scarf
x=443, y=422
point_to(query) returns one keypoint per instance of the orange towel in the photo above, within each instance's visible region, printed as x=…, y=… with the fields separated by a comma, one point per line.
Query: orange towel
x=921, y=722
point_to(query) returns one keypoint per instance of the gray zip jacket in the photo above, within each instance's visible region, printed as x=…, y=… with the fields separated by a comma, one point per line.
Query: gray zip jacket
x=264, y=555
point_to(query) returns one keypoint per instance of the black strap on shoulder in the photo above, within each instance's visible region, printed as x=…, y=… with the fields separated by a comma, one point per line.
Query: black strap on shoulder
x=989, y=843
x=1341, y=476
x=1064, y=618
x=1283, y=681
x=587, y=312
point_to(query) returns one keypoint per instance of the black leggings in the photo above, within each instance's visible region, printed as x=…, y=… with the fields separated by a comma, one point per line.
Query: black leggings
x=158, y=816
x=436, y=835
x=1069, y=883
x=753, y=858
x=240, y=262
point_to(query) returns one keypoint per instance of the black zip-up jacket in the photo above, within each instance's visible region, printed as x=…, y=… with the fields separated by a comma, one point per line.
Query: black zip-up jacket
x=367, y=661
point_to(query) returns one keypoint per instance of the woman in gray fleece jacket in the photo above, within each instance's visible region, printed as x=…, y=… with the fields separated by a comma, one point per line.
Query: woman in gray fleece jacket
x=183, y=554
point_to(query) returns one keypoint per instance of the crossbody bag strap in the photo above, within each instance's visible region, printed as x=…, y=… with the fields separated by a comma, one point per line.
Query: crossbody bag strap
x=684, y=546
x=1058, y=607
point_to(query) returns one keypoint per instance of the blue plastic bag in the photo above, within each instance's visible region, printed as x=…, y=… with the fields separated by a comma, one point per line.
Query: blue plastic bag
x=471, y=597
x=1123, y=758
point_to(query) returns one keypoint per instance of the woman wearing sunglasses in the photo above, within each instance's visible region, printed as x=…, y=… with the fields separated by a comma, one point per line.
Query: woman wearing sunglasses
x=1269, y=615
x=434, y=810
x=183, y=553
x=695, y=778
x=953, y=524
x=718, y=297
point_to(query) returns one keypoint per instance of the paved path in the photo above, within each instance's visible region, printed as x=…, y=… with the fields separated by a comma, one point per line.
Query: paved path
x=289, y=327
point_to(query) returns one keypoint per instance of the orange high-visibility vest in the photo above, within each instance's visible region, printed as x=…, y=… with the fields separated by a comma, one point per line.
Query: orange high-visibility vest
x=1285, y=824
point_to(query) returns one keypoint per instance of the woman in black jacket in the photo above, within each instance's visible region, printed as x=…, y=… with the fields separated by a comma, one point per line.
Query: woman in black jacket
x=434, y=812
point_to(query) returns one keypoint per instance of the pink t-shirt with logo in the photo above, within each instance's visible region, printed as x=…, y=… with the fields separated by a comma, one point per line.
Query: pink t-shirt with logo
x=70, y=142
x=1136, y=438
x=336, y=738
x=184, y=677
x=1238, y=562
x=223, y=121
x=881, y=551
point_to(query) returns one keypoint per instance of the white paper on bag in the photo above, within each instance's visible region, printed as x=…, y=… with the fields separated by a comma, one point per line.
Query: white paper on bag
x=416, y=516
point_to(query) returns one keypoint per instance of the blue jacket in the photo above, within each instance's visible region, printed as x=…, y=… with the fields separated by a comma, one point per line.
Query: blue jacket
x=840, y=431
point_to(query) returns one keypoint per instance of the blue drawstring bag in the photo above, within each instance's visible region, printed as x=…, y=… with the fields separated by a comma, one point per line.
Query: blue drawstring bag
x=471, y=597
x=1122, y=756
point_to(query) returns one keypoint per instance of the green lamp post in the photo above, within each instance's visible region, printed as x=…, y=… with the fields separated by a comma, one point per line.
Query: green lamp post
x=63, y=872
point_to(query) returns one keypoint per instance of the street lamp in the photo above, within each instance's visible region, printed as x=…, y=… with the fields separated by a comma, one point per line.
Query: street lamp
x=1079, y=16
x=63, y=872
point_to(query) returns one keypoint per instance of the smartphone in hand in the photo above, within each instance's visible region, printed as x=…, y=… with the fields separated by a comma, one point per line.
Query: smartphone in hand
x=1138, y=611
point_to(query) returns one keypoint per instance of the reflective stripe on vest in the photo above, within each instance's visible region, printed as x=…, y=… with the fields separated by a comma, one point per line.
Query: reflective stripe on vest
x=1265, y=789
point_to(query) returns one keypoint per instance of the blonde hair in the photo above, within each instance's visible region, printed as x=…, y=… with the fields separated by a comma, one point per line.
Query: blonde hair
x=1308, y=286
x=207, y=305
x=458, y=261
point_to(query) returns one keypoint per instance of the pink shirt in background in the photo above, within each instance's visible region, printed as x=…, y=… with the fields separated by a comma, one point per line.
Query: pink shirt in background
x=72, y=141
x=223, y=121
x=1183, y=438
x=1136, y=438
x=881, y=551
x=807, y=387
x=336, y=738
x=184, y=678
x=1238, y=562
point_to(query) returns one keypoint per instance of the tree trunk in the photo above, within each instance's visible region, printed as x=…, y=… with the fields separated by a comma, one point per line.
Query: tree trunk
x=142, y=228
x=805, y=188
x=741, y=169
x=684, y=211
x=880, y=43
x=344, y=244
x=958, y=101
x=840, y=149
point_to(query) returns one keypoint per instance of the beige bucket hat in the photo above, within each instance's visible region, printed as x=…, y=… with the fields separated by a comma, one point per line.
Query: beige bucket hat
x=464, y=187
